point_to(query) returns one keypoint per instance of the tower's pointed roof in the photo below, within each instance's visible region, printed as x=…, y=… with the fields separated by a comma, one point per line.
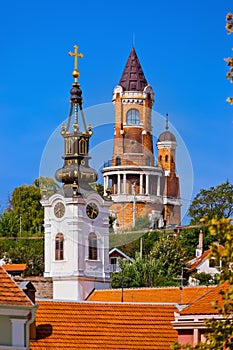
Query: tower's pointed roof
x=133, y=78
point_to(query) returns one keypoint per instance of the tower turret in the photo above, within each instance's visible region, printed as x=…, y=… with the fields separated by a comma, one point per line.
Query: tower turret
x=166, y=146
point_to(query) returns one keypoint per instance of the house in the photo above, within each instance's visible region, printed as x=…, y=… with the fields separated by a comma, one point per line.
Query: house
x=17, y=313
x=190, y=322
x=202, y=263
x=115, y=255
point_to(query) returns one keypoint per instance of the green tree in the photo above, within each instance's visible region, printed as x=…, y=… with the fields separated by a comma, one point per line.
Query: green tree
x=140, y=273
x=189, y=239
x=214, y=202
x=25, y=204
x=220, y=332
x=24, y=251
x=205, y=279
x=47, y=185
x=170, y=258
x=162, y=267
x=229, y=60
x=9, y=224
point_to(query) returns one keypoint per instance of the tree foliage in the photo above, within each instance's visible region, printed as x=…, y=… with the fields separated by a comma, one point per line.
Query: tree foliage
x=216, y=202
x=189, y=239
x=170, y=257
x=163, y=266
x=24, y=251
x=46, y=185
x=229, y=60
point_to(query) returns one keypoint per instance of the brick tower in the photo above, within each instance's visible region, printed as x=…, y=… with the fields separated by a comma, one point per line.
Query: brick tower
x=136, y=183
x=166, y=145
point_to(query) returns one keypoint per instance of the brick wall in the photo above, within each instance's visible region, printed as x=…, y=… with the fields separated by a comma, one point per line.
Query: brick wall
x=44, y=286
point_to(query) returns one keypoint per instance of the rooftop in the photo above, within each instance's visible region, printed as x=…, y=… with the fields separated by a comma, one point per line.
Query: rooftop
x=10, y=293
x=133, y=78
x=186, y=295
x=85, y=325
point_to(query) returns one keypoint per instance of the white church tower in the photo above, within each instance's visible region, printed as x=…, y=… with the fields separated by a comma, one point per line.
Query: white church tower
x=76, y=218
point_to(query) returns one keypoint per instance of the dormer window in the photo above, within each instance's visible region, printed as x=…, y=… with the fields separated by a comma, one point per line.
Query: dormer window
x=133, y=116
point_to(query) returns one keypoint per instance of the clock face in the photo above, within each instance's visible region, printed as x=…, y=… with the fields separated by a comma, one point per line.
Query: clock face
x=59, y=210
x=92, y=210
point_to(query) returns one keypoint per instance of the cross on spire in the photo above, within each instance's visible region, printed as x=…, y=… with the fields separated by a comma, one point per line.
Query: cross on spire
x=75, y=54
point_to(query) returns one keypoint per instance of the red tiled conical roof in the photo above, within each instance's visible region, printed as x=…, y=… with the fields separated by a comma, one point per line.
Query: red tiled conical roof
x=133, y=78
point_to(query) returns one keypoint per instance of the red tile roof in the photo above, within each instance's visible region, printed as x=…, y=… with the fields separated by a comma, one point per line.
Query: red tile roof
x=14, y=267
x=10, y=293
x=73, y=325
x=186, y=295
x=204, y=305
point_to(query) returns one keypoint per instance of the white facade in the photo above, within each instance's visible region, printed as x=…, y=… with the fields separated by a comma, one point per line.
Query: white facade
x=74, y=273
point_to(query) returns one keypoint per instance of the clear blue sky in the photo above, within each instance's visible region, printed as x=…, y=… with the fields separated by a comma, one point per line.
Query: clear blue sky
x=181, y=46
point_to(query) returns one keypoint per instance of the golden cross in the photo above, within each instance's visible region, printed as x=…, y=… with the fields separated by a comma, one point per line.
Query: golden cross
x=76, y=55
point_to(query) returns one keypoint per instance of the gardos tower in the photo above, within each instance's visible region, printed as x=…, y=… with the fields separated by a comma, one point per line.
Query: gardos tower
x=76, y=217
x=137, y=184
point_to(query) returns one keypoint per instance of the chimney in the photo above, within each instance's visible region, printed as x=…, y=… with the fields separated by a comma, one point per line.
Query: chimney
x=200, y=245
x=199, y=249
x=29, y=289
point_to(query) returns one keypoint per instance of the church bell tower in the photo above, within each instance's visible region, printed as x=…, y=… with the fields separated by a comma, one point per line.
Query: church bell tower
x=76, y=217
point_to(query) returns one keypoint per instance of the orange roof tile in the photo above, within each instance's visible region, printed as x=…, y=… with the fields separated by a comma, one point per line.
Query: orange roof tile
x=203, y=306
x=85, y=325
x=14, y=267
x=10, y=293
x=186, y=295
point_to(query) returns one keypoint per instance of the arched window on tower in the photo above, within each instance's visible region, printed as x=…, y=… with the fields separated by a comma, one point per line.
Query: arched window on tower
x=59, y=247
x=69, y=144
x=160, y=158
x=82, y=146
x=166, y=158
x=148, y=161
x=92, y=246
x=133, y=116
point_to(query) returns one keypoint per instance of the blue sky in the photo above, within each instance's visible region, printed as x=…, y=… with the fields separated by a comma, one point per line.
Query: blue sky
x=181, y=46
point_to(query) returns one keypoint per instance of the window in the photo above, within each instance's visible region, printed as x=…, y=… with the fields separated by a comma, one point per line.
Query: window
x=166, y=158
x=82, y=146
x=59, y=247
x=92, y=246
x=148, y=161
x=69, y=143
x=133, y=116
x=118, y=161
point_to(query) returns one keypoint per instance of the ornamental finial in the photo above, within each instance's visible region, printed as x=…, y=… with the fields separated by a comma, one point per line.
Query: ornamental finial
x=167, y=122
x=75, y=54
